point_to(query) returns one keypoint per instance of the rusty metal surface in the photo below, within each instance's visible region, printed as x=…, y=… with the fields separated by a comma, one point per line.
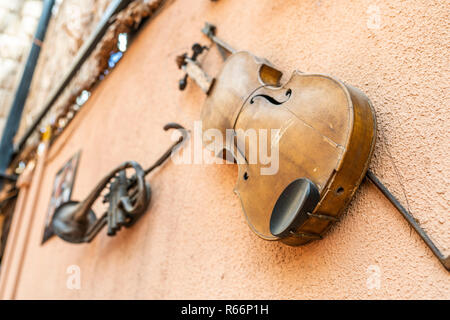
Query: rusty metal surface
x=328, y=136
x=128, y=199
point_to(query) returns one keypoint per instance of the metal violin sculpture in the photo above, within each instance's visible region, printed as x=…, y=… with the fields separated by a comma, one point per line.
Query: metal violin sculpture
x=326, y=137
x=128, y=199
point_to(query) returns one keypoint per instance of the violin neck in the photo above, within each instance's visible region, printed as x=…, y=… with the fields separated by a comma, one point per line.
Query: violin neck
x=210, y=31
x=222, y=44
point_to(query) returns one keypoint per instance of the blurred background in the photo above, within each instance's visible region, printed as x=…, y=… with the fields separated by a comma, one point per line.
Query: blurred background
x=18, y=22
x=71, y=23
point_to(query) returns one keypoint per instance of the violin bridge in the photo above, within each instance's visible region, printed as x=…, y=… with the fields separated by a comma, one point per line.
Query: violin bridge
x=201, y=78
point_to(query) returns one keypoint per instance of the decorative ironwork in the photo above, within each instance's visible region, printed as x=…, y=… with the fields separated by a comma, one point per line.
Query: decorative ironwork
x=128, y=199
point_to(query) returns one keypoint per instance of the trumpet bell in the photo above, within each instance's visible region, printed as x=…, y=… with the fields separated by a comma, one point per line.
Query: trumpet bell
x=67, y=227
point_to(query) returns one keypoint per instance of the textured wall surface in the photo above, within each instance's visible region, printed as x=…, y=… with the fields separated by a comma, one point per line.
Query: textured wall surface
x=194, y=242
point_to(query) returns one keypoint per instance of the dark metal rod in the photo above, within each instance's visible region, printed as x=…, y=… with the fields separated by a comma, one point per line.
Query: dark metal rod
x=96, y=228
x=85, y=51
x=409, y=217
x=4, y=176
x=12, y=196
x=15, y=113
x=173, y=148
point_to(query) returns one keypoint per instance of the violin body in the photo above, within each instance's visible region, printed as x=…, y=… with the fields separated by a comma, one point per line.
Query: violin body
x=325, y=139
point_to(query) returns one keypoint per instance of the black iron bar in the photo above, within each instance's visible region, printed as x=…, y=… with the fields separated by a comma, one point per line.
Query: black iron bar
x=172, y=149
x=9, y=177
x=15, y=113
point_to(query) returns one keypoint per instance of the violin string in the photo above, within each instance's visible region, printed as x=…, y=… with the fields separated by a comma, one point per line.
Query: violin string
x=396, y=170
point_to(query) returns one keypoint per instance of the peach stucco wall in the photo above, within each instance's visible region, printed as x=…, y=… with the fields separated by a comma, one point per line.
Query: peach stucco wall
x=194, y=242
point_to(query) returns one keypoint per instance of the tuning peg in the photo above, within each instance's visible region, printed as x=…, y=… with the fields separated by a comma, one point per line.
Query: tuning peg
x=183, y=83
x=181, y=62
x=197, y=50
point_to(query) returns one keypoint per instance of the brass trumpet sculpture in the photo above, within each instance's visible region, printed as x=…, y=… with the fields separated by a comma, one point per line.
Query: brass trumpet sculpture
x=128, y=199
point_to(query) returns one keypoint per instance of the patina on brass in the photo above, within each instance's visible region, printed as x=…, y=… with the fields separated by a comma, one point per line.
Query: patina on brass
x=128, y=199
x=328, y=136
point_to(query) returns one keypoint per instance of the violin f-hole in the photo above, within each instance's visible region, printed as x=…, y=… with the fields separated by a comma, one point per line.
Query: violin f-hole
x=272, y=100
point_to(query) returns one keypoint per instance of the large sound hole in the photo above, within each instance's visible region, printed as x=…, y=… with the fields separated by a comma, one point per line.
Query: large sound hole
x=291, y=209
